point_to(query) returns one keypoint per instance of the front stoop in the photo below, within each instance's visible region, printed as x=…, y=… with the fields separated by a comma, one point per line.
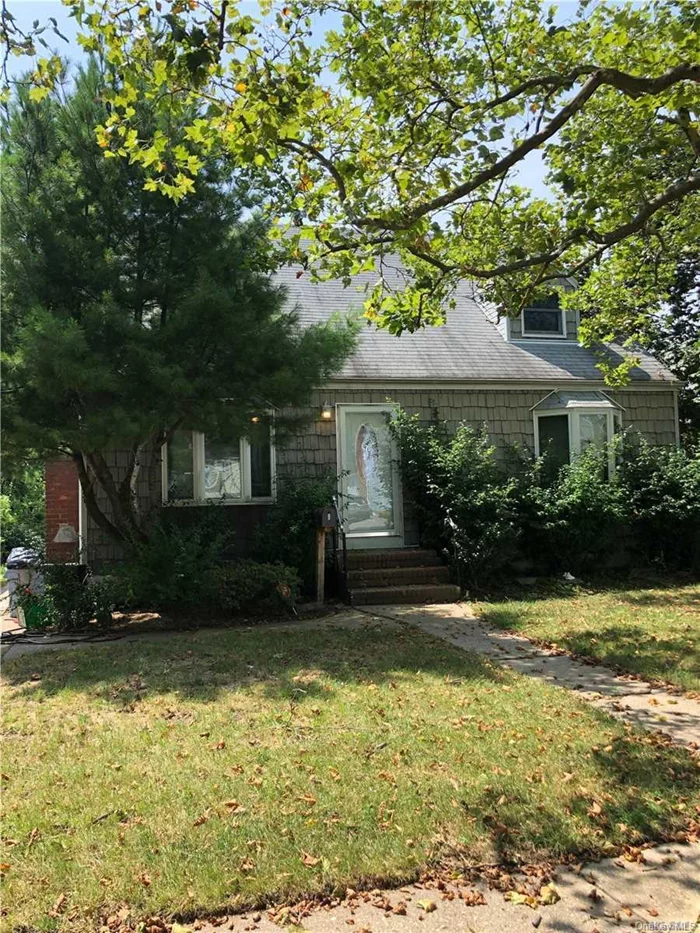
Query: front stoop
x=409, y=575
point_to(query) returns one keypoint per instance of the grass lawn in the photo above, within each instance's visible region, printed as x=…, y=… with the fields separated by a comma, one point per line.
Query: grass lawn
x=654, y=632
x=224, y=769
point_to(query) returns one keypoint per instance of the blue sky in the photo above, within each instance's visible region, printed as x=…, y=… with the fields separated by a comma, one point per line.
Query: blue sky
x=530, y=172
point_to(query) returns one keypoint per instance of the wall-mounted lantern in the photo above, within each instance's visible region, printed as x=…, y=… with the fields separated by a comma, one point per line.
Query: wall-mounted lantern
x=326, y=412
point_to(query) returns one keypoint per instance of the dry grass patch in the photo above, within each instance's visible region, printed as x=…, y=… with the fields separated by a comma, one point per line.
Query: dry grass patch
x=225, y=769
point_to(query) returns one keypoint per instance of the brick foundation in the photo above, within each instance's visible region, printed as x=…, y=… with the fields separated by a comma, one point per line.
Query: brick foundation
x=62, y=507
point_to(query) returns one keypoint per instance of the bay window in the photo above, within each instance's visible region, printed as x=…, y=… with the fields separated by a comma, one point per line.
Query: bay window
x=566, y=424
x=203, y=468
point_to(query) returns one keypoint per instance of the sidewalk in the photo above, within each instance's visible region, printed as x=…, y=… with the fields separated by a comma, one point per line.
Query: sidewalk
x=599, y=896
x=626, y=698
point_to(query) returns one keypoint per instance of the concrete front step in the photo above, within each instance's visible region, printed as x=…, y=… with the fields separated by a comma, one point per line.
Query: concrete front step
x=403, y=557
x=398, y=576
x=394, y=595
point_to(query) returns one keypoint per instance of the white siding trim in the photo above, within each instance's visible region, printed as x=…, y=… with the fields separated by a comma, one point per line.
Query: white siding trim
x=676, y=418
x=453, y=385
x=82, y=526
x=538, y=335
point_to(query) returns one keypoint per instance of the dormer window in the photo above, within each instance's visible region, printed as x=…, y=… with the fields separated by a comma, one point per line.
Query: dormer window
x=546, y=319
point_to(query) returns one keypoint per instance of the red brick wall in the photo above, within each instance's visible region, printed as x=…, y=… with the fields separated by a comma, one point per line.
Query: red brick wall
x=62, y=506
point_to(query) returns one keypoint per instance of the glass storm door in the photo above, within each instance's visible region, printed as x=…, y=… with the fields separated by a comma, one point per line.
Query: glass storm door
x=370, y=487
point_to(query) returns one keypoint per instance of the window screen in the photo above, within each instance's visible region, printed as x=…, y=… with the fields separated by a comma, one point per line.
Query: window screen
x=553, y=432
x=542, y=321
x=222, y=469
x=180, y=466
x=260, y=469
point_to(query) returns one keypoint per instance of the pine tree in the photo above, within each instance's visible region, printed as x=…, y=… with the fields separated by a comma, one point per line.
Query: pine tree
x=129, y=315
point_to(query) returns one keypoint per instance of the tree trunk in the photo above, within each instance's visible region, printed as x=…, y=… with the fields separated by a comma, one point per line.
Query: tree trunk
x=121, y=520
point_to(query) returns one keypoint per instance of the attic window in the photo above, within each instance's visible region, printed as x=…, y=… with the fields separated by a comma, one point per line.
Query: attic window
x=544, y=320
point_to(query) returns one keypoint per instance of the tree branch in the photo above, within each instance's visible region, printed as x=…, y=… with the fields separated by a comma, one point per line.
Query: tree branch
x=295, y=145
x=629, y=84
x=604, y=240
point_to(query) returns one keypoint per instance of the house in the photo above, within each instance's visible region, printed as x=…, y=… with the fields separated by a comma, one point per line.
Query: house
x=527, y=379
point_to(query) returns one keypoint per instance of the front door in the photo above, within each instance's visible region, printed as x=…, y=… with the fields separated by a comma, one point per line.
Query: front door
x=370, y=486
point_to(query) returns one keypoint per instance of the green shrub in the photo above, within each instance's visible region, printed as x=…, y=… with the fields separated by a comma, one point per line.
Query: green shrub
x=464, y=502
x=288, y=534
x=249, y=586
x=73, y=600
x=579, y=519
x=575, y=521
x=172, y=569
x=661, y=488
x=22, y=510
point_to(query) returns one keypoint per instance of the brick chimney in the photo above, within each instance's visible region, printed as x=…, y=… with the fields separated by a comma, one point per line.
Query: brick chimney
x=62, y=508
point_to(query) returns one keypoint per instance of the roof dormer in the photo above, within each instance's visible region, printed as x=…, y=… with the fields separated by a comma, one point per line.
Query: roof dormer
x=544, y=320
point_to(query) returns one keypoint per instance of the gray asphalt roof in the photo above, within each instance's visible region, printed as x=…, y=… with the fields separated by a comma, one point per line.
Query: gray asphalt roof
x=469, y=347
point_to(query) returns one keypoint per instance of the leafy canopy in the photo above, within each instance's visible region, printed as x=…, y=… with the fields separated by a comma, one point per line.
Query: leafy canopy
x=129, y=315
x=402, y=127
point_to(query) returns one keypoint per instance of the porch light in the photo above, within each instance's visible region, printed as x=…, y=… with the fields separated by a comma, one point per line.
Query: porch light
x=66, y=534
x=326, y=412
x=255, y=419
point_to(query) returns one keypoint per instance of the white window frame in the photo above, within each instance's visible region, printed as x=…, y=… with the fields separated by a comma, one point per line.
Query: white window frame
x=198, y=475
x=543, y=335
x=575, y=428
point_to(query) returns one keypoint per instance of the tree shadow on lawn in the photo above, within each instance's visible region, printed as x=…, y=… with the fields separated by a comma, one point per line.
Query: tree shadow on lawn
x=293, y=665
x=674, y=600
x=633, y=588
x=641, y=774
x=627, y=646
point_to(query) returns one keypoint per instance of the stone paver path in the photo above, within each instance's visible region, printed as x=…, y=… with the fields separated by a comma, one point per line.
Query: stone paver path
x=624, y=697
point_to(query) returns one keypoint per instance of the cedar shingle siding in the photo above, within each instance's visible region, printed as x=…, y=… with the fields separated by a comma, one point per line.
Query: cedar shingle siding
x=506, y=412
x=465, y=371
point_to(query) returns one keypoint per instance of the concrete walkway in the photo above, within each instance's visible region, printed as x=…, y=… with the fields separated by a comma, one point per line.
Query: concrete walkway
x=599, y=896
x=626, y=698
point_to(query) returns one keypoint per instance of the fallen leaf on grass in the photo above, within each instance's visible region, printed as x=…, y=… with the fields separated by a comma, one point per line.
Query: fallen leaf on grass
x=309, y=860
x=58, y=906
x=144, y=878
x=233, y=806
